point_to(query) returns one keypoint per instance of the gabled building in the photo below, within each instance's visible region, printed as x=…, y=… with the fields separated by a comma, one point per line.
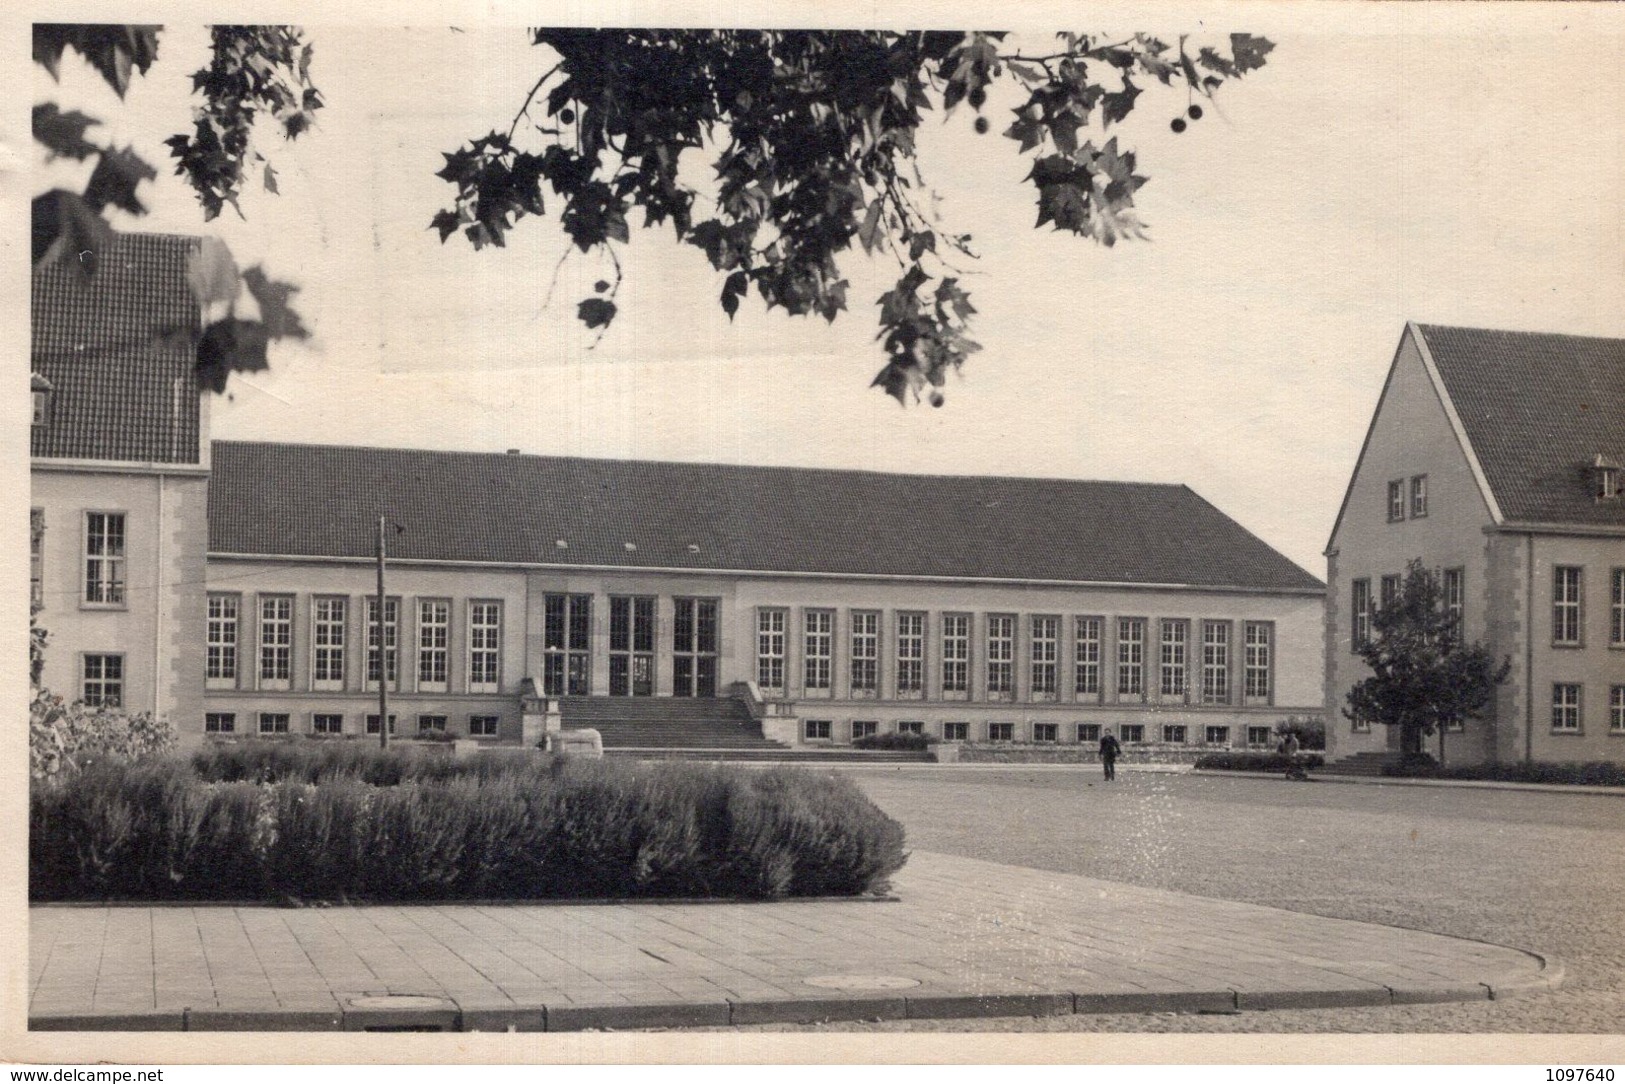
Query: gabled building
x=839, y=603
x=119, y=477
x=1494, y=457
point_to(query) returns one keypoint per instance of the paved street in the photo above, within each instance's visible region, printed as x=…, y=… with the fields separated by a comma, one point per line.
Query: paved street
x=966, y=939
x=1540, y=871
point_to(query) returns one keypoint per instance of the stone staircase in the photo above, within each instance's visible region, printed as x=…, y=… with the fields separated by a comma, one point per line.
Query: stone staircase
x=682, y=728
x=1365, y=764
x=644, y=722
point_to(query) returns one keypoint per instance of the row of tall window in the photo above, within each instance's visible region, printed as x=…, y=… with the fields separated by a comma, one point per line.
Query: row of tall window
x=271, y=666
x=1568, y=606
x=566, y=648
x=1568, y=708
x=1452, y=584
x=102, y=558
x=1129, y=665
x=1084, y=733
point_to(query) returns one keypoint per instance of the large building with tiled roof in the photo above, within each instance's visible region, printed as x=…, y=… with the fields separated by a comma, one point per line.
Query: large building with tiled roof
x=1497, y=458
x=837, y=603
x=230, y=586
x=119, y=470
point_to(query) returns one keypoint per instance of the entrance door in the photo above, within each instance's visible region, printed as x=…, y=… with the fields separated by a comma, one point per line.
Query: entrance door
x=631, y=646
x=694, y=647
x=566, y=645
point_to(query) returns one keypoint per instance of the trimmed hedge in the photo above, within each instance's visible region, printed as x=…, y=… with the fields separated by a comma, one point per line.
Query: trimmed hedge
x=909, y=742
x=1256, y=762
x=292, y=823
x=1595, y=773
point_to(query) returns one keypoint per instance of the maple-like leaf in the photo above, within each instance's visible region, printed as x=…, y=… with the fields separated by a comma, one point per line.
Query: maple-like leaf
x=273, y=298
x=115, y=178
x=1249, y=51
x=65, y=227
x=1117, y=105
x=596, y=312
x=230, y=346
x=63, y=134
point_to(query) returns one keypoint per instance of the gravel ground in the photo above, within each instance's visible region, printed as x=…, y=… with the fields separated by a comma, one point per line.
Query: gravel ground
x=1538, y=871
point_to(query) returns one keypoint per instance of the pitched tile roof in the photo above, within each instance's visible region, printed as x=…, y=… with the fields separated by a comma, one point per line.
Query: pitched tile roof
x=315, y=500
x=117, y=349
x=1537, y=409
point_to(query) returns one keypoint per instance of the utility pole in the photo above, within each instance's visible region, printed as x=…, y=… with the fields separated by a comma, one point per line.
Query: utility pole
x=383, y=658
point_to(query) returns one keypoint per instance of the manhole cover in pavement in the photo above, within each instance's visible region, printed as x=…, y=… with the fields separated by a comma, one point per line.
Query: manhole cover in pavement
x=861, y=982
x=399, y=1001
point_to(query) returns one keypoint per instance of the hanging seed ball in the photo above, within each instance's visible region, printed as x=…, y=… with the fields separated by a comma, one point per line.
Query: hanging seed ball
x=1195, y=112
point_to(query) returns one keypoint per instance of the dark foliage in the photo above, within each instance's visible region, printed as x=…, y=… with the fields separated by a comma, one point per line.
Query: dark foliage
x=906, y=742
x=1256, y=762
x=1595, y=773
x=347, y=821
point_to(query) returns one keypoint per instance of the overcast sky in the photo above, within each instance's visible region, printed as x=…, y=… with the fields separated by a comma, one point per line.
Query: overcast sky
x=1447, y=165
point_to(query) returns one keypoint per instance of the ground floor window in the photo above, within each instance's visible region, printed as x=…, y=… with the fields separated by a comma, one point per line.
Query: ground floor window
x=1174, y=734
x=431, y=724
x=1258, y=735
x=955, y=731
x=1001, y=732
x=817, y=729
x=372, y=723
x=1217, y=735
x=911, y=728
x=103, y=681
x=1616, y=709
x=1133, y=733
x=273, y=722
x=1360, y=726
x=1088, y=732
x=482, y=726
x=864, y=728
x=220, y=722
x=1565, y=708
x=1046, y=732
x=326, y=723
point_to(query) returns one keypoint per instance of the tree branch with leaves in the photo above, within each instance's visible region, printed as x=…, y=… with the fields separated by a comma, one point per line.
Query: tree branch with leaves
x=252, y=71
x=810, y=136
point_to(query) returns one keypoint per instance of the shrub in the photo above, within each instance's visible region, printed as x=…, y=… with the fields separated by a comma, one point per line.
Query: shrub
x=335, y=822
x=1596, y=773
x=1256, y=762
x=1309, y=729
x=909, y=742
x=64, y=738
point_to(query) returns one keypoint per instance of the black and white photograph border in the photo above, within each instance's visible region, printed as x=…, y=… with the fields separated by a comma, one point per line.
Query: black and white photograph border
x=1116, y=555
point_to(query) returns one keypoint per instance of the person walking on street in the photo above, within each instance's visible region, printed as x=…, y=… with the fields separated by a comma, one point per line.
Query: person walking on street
x=1108, y=754
x=1289, y=746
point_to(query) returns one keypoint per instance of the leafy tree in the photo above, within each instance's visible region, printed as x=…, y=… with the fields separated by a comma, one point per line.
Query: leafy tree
x=1424, y=677
x=810, y=137
x=253, y=70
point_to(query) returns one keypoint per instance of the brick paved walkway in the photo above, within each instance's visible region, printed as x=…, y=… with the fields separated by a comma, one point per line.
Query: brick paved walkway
x=966, y=938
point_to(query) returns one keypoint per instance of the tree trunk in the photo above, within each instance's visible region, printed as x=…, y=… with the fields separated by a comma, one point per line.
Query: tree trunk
x=1441, y=745
x=1410, y=738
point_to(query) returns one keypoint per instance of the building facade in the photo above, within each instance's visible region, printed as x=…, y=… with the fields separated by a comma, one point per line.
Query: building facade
x=844, y=602
x=119, y=472
x=230, y=586
x=1493, y=457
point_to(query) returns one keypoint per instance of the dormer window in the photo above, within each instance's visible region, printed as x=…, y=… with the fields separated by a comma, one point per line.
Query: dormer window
x=1606, y=478
x=41, y=389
